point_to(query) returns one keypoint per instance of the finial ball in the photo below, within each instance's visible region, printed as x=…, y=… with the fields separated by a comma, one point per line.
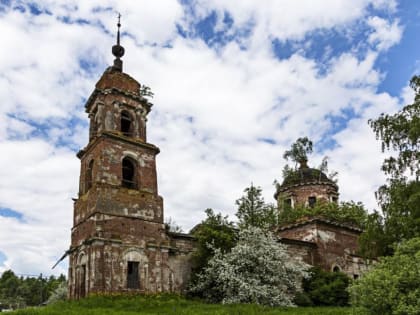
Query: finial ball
x=118, y=51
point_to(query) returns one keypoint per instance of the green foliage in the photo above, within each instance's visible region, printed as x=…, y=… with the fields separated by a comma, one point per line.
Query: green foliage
x=298, y=153
x=172, y=226
x=299, y=150
x=374, y=242
x=400, y=197
x=18, y=292
x=216, y=231
x=324, y=169
x=325, y=288
x=169, y=305
x=257, y=270
x=345, y=212
x=400, y=201
x=253, y=211
x=401, y=132
x=393, y=286
x=59, y=294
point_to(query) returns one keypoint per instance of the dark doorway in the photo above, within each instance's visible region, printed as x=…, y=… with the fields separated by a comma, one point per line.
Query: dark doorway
x=82, y=280
x=133, y=275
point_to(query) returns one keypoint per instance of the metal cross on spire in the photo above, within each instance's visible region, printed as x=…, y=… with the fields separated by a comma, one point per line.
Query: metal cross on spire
x=118, y=50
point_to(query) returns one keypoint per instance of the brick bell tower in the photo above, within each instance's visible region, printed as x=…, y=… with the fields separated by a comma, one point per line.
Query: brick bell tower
x=118, y=239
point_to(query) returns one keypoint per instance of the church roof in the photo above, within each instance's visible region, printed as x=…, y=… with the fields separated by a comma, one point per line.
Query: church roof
x=305, y=175
x=319, y=219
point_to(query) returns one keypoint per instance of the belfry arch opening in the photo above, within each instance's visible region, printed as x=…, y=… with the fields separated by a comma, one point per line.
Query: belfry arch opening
x=126, y=124
x=129, y=173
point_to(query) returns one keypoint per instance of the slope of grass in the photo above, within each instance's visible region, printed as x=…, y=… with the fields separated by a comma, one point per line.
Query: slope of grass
x=168, y=305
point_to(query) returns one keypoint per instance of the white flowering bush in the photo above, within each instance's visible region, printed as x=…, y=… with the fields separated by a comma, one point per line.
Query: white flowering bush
x=257, y=270
x=59, y=294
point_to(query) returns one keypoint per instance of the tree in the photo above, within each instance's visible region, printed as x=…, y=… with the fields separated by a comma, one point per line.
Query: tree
x=253, y=211
x=59, y=294
x=216, y=231
x=399, y=198
x=172, y=226
x=257, y=270
x=299, y=151
x=393, y=286
x=9, y=287
x=324, y=288
x=401, y=132
x=18, y=292
x=373, y=242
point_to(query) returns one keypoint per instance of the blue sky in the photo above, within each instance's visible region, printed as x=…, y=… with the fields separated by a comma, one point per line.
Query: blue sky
x=235, y=83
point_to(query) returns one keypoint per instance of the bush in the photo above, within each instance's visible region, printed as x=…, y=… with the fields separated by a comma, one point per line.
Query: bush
x=393, y=287
x=345, y=212
x=257, y=270
x=59, y=294
x=325, y=288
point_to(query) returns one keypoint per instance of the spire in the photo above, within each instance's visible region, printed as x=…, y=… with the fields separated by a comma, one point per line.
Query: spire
x=118, y=50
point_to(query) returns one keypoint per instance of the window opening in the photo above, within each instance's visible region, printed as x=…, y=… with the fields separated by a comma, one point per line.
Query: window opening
x=311, y=201
x=133, y=275
x=126, y=124
x=336, y=269
x=288, y=203
x=89, y=176
x=128, y=173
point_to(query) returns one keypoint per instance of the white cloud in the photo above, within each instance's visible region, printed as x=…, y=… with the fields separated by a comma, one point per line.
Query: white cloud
x=385, y=34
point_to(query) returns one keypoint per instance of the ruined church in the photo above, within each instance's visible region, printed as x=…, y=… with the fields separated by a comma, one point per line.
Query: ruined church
x=118, y=240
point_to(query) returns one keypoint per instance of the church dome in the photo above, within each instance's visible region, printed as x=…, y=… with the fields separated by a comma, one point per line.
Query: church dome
x=305, y=176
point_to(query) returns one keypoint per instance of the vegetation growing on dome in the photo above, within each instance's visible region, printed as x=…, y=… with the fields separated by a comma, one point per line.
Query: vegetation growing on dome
x=299, y=151
x=300, y=172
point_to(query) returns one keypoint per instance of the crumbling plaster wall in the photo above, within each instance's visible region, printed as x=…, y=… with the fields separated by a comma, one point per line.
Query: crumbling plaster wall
x=336, y=246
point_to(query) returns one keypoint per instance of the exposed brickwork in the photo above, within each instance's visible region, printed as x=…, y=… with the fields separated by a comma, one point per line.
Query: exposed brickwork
x=300, y=193
x=119, y=242
x=118, y=80
x=118, y=218
x=333, y=245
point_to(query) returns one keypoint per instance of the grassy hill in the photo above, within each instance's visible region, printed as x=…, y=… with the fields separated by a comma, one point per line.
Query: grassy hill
x=167, y=305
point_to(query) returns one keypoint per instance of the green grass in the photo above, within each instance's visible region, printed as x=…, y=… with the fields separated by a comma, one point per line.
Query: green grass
x=170, y=305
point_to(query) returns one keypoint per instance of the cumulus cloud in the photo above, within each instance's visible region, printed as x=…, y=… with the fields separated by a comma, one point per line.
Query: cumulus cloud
x=385, y=33
x=225, y=110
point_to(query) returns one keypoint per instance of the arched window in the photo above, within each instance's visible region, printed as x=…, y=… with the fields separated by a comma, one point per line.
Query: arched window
x=89, y=175
x=129, y=173
x=336, y=269
x=126, y=124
